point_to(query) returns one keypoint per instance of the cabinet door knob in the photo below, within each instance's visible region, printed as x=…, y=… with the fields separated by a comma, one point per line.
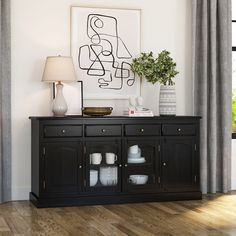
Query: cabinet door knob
x=80, y=167
x=164, y=164
x=103, y=130
x=126, y=165
x=142, y=130
x=63, y=131
x=120, y=165
x=178, y=129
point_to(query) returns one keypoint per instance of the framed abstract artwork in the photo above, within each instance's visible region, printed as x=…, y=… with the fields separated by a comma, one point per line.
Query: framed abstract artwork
x=103, y=44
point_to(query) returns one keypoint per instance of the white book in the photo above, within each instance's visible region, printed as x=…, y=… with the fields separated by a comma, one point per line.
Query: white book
x=133, y=113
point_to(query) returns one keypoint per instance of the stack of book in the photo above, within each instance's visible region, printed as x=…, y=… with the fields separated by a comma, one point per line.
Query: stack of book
x=140, y=113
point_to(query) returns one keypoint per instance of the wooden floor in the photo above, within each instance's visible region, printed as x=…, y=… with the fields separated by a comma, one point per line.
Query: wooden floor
x=214, y=215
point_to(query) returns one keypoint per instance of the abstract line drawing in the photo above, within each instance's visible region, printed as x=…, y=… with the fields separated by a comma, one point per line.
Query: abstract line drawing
x=104, y=50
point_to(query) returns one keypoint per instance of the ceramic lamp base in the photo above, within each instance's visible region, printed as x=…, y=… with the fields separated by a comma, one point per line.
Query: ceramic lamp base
x=59, y=106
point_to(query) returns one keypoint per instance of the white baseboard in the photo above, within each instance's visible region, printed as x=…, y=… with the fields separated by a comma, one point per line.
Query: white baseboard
x=20, y=193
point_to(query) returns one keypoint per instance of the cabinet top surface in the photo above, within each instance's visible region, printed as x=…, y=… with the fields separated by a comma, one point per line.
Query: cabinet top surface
x=74, y=117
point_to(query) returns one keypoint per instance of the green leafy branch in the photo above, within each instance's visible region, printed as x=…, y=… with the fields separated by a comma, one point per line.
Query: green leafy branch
x=161, y=69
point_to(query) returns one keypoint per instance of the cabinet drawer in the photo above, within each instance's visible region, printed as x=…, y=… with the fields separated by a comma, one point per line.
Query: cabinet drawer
x=137, y=130
x=103, y=130
x=62, y=131
x=176, y=129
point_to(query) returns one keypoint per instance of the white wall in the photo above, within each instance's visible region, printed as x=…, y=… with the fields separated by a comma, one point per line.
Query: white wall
x=233, y=170
x=42, y=28
x=234, y=141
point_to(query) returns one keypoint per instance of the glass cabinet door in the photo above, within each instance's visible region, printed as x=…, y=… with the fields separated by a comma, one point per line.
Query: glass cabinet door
x=141, y=172
x=102, y=166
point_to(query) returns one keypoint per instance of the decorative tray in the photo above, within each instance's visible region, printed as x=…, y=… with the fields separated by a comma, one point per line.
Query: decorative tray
x=97, y=111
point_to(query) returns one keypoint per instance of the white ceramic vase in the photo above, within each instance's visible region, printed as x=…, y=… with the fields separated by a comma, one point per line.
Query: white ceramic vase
x=167, y=100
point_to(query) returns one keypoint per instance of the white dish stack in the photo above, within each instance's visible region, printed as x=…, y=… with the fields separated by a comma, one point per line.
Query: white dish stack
x=134, y=155
x=108, y=176
x=93, y=177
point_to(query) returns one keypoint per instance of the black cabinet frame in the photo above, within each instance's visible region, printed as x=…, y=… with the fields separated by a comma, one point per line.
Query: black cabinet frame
x=65, y=132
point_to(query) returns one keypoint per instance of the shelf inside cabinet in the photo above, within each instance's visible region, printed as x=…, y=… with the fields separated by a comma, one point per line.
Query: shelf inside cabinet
x=103, y=165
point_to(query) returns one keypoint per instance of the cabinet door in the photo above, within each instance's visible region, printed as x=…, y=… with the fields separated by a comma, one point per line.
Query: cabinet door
x=140, y=165
x=178, y=164
x=102, y=166
x=62, y=167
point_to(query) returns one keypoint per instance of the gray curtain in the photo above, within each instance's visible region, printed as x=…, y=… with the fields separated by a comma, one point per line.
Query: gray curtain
x=5, y=102
x=212, y=83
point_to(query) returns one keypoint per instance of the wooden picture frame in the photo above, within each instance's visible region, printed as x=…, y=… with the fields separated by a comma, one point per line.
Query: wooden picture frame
x=103, y=43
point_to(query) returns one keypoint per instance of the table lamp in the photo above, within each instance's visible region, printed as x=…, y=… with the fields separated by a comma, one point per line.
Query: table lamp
x=59, y=69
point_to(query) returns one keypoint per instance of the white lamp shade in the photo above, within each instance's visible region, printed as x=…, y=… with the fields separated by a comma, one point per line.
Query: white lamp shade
x=59, y=68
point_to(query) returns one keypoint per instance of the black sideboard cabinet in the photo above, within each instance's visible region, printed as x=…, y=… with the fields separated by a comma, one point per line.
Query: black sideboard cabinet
x=62, y=167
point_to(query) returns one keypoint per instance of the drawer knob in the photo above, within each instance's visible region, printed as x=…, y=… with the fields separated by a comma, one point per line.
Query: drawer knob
x=80, y=167
x=103, y=130
x=126, y=165
x=63, y=131
x=120, y=165
x=164, y=164
x=178, y=129
x=142, y=130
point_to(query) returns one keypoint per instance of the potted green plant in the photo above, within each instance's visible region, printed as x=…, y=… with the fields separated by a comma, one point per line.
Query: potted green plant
x=166, y=71
x=161, y=69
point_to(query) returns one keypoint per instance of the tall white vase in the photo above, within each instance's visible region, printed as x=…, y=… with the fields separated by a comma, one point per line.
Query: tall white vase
x=167, y=100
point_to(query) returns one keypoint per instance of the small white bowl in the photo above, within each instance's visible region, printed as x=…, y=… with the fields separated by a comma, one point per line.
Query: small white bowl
x=133, y=149
x=138, y=179
x=134, y=155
